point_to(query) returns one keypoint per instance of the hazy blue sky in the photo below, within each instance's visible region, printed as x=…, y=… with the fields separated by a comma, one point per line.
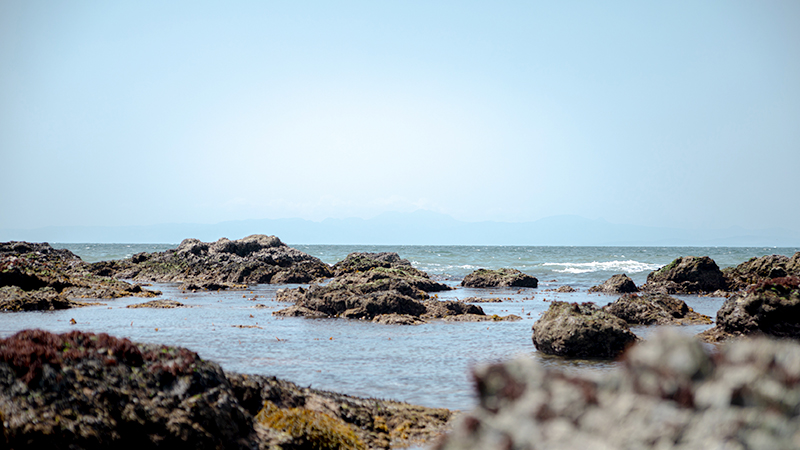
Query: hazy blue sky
x=682, y=114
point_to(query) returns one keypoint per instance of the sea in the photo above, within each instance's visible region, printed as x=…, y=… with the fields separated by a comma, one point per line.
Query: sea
x=428, y=364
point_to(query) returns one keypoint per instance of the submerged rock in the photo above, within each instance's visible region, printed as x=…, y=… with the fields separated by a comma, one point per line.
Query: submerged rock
x=222, y=264
x=617, y=284
x=770, y=307
x=756, y=270
x=655, y=309
x=581, y=330
x=483, y=278
x=668, y=394
x=88, y=391
x=35, y=276
x=686, y=275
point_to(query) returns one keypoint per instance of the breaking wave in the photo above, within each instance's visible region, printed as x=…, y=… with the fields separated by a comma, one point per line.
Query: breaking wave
x=628, y=266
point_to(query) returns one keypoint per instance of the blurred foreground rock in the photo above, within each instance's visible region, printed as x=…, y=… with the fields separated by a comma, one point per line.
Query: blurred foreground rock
x=669, y=393
x=93, y=391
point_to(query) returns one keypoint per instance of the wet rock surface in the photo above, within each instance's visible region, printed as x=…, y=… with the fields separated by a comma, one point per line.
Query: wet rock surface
x=35, y=276
x=364, y=261
x=159, y=304
x=686, y=275
x=760, y=269
x=617, y=284
x=90, y=391
x=770, y=307
x=221, y=264
x=669, y=394
x=483, y=278
x=655, y=309
x=581, y=330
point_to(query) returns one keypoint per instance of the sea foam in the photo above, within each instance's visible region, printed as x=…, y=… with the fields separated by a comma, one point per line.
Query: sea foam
x=629, y=266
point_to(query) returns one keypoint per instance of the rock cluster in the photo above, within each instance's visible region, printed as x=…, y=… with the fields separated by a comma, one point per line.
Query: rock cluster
x=771, y=307
x=581, y=330
x=484, y=278
x=35, y=276
x=686, y=275
x=655, y=309
x=225, y=263
x=669, y=394
x=759, y=269
x=88, y=391
x=617, y=284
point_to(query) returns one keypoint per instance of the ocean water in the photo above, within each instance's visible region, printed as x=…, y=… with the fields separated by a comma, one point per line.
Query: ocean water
x=426, y=364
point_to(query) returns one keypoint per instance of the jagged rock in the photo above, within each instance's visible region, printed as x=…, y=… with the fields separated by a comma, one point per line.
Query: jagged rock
x=686, y=275
x=655, y=309
x=755, y=270
x=158, y=304
x=581, y=330
x=565, y=289
x=617, y=284
x=669, y=394
x=770, y=307
x=398, y=319
x=35, y=276
x=483, y=278
x=89, y=391
x=225, y=263
x=482, y=300
x=363, y=261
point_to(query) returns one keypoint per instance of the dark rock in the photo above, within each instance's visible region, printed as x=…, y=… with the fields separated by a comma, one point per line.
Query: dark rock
x=159, y=304
x=565, y=289
x=581, y=330
x=36, y=276
x=482, y=300
x=686, y=275
x=655, y=309
x=483, y=278
x=362, y=262
x=617, y=284
x=668, y=394
x=225, y=263
x=770, y=307
x=759, y=269
x=398, y=319
x=90, y=391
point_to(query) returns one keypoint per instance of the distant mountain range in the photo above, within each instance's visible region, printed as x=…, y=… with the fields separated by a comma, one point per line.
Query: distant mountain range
x=420, y=228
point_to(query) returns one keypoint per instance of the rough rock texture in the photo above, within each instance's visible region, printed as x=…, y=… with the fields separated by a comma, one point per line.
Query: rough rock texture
x=581, y=330
x=669, y=394
x=362, y=262
x=225, y=263
x=759, y=269
x=770, y=307
x=686, y=275
x=617, y=284
x=93, y=391
x=483, y=278
x=655, y=309
x=36, y=276
x=158, y=304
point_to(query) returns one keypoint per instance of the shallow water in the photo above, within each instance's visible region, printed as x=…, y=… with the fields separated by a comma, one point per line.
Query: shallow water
x=426, y=364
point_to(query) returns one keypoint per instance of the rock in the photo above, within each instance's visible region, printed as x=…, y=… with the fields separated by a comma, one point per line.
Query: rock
x=362, y=262
x=686, y=275
x=222, y=264
x=565, y=289
x=85, y=390
x=581, y=330
x=770, y=307
x=655, y=309
x=482, y=300
x=759, y=269
x=483, y=278
x=398, y=319
x=617, y=284
x=158, y=304
x=35, y=276
x=669, y=394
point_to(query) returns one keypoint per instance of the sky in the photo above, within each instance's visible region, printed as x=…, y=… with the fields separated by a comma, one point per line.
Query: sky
x=681, y=114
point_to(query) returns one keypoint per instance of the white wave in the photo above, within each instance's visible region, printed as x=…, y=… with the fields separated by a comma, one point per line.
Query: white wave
x=629, y=266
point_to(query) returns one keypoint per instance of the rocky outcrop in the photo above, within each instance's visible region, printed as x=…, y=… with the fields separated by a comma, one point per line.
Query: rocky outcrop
x=89, y=391
x=223, y=264
x=617, y=284
x=35, y=276
x=581, y=330
x=483, y=278
x=686, y=275
x=770, y=307
x=158, y=304
x=655, y=309
x=669, y=394
x=759, y=269
x=363, y=261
